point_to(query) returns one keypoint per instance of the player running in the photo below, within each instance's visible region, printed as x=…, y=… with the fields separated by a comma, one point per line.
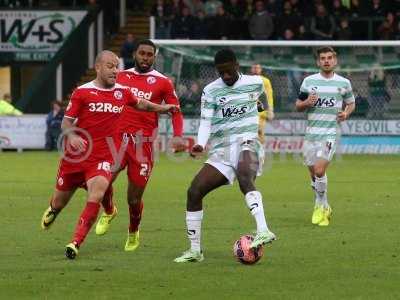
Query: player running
x=137, y=130
x=88, y=122
x=229, y=122
x=322, y=96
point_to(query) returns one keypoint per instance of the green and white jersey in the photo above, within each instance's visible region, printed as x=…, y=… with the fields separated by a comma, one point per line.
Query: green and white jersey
x=232, y=110
x=322, y=124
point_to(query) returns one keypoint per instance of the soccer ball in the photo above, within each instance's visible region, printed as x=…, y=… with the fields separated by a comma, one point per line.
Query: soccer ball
x=245, y=254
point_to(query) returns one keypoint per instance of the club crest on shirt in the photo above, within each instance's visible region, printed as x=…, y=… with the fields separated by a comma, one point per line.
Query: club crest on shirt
x=151, y=80
x=118, y=95
x=221, y=100
x=252, y=96
x=60, y=181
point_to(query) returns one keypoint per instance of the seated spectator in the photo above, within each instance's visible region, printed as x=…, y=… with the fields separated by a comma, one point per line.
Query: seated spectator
x=195, y=6
x=322, y=24
x=344, y=32
x=190, y=99
x=6, y=108
x=127, y=51
x=357, y=9
x=162, y=13
x=53, y=123
x=261, y=25
x=182, y=26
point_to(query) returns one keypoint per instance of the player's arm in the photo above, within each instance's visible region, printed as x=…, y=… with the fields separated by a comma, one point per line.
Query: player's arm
x=350, y=105
x=207, y=112
x=69, y=130
x=158, y=108
x=68, y=123
x=305, y=100
x=170, y=97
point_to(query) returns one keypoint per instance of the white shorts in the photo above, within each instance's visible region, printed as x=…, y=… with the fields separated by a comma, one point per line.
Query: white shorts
x=226, y=160
x=316, y=150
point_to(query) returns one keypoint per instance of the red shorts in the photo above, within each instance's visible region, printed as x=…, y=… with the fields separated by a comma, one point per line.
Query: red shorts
x=137, y=157
x=72, y=175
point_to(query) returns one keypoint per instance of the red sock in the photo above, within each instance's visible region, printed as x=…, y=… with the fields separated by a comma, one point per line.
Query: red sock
x=107, y=201
x=86, y=220
x=135, y=215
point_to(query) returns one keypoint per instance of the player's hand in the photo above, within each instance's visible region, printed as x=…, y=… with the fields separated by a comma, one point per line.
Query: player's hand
x=197, y=151
x=178, y=144
x=312, y=99
x=77, y=142
x=342, y=116
x=170, y=108
x=270, y=115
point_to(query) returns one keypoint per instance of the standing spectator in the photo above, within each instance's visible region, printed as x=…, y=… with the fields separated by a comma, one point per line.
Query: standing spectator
x=386, y=31
x=53, y=123
x=339, y=11
x=322, y=24
x=378, y=95
x=195, y=6
x=344, y=32
x=200, y=26
x=6, y=108
x=356, y=9
x=176, y=8
x=127, y=51
x=183, y=25
x=211, y=7
x=222, y=24
x=162, y=13
x=288, y=20
x=235, y=11
x=261, y=26
x=376, y=9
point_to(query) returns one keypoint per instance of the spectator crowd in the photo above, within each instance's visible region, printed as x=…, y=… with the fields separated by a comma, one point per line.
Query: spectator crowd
x=277, y=19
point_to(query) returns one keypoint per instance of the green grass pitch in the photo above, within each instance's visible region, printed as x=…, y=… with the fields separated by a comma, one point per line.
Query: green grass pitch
x=356, y=257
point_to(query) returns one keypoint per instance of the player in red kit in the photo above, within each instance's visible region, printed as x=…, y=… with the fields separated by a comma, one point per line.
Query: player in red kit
x=137, y=130
x=88, y=126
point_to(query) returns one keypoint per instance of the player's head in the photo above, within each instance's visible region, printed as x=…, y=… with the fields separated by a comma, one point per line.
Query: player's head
x=144, y=55
x=326, y=59
x=106, y=66
x=227, y=66
x=256, y=69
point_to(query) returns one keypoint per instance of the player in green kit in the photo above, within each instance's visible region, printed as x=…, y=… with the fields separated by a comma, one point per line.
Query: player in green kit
x=328, y=99
x=229, y=123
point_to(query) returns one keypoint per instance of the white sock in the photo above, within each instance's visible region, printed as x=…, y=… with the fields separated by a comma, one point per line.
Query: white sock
x=321, y=187
x=255, y=204
x=315, y=192
x=193, y=225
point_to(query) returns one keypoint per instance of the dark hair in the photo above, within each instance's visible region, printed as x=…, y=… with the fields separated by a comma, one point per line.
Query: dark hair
x=145, y=42
x=224, y=56
x=325, y=49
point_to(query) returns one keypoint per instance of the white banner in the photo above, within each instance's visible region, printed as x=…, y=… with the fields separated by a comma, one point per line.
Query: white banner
x=26, y=132
x=36, y=30
x=298, y=127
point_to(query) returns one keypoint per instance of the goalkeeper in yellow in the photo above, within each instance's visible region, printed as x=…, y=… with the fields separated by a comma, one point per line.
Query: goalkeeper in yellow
x=268, y=103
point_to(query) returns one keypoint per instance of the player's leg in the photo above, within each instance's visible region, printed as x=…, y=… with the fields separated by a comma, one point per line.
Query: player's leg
x=208, y=179
x=247, y=169
x=97, y=187
x=135, y=204
x=321, y=188
x=58, y=201
x=318, y=212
